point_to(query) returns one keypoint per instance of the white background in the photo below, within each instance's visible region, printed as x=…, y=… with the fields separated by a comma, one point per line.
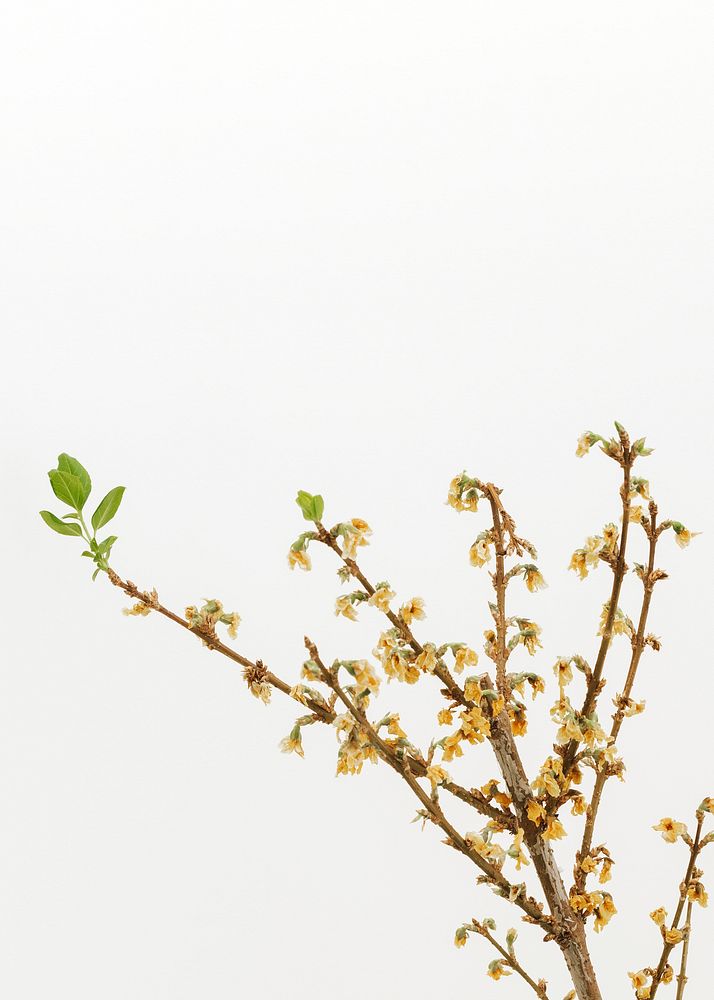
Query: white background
x=351, y=248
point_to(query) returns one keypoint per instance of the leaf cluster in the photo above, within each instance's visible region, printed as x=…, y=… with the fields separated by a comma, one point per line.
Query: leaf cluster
x=72, y=485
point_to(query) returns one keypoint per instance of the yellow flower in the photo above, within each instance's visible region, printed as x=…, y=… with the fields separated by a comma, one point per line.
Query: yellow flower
x=413, y=609
x=536, y=812
x=697, y=893
x=515, y=851
x=621, y=624
x=436, y=775
x=569, y=730
x=451, y=748
x=659, y=916
x=310, y=671
x=365, y=677
x=475, y=727
x=630, y=707
x=344, y=606
x=355, y=534
x=460, y=937
x=426, y=660
x=498, y=968
x=381, y=597
x=260, y=690
x=585, y=443
x=534, y=579
x=638, y=978
x=537, y=685
x=472, y=689
x=670, y=829
x=673, y=935
x=299, y=693
x=299, y=558
x=138, y=609
x=233, y=624
x=445, y=717
x=604, y=913
x=578, y=805
x=563, y=671
x=454, y=497
x=293, y=743
x=480, y=552
x=578, y=563
x=518, y=719
x=610, y=535
x=529, y=635
x=588, y=864
x=487, y=849
x=464, y=656
x=554, y=830
x=636, y=513
x=394, y=729
x=683, y=536
x=605, y=871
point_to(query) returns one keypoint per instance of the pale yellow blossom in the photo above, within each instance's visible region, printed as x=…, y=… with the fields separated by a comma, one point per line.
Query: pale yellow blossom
x=464, y=656
x=381, y=597
x=412, y=610
x=299, y=558
x=436, y=775
x=344, y=606
x=670, y=829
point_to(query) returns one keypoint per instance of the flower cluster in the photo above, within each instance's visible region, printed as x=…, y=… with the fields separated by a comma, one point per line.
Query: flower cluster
x=599, y=904
x=597, y=548
x=204, y=619
x=463, y=493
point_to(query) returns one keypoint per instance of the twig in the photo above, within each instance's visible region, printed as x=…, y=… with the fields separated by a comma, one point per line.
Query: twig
x=638, y=645
x=667, y=948
x=682, y=977
x=594, y=685
x=510, y=959
x=257, y=669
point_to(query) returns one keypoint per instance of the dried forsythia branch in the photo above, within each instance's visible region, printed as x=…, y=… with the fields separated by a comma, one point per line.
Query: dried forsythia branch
x=521, y=816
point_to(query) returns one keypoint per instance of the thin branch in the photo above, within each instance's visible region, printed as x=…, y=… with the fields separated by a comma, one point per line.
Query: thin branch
x=638, y=645
x=509, y=958
x=684, y=885
x=257, y=670
x=682, y=977
x=594, y=685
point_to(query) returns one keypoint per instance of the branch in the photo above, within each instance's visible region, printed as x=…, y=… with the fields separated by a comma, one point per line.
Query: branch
x=568, y=930
x=682, y=977
x=649, y=578
x=594, y=684
x=255, y=673
x=509, y=958
x=694, y=848
x=492, y=874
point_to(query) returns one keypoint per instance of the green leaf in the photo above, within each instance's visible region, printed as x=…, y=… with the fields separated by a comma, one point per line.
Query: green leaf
x=67, y=488
x=72, y=516
x=59, y=526
x=107, y=508
x=105, y=547
x=65, y=463
x=312, y=507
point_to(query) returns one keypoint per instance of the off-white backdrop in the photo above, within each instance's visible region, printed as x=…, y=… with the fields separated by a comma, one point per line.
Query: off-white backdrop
x=352, y=248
